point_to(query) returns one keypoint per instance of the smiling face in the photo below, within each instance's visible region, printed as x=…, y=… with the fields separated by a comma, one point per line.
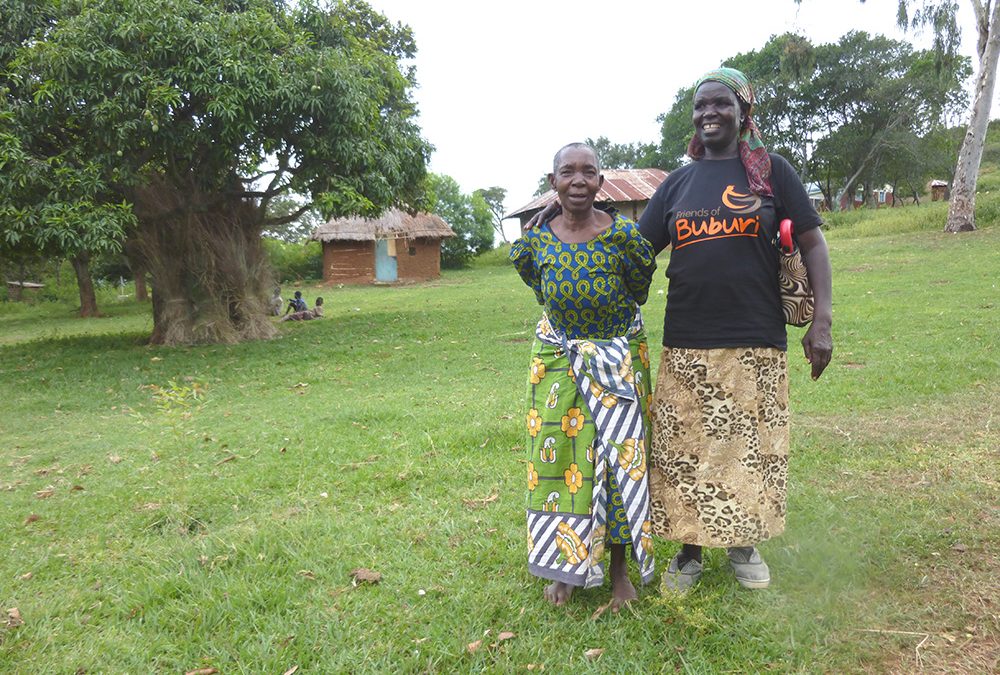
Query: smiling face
x=717, y=119
x=577, y=178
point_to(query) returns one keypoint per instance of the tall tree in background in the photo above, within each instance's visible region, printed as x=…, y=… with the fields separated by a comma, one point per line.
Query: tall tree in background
x=940, y=16
x=52, y=204
x=625, y=155
x=494, y=197
x=837, y=111
x=469, y=216
x=167, y=109
x=865, y=93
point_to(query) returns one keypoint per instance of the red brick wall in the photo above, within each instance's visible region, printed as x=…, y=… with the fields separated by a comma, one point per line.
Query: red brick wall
x=348, y=262
x=353, y=262
x=424, y=263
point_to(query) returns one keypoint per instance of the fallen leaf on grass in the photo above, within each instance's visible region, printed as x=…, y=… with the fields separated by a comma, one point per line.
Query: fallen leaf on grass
x=46, y=493
x=307, y=574
x=473, y=647
x=148, y=506
x=601, y=610
x=26, y=576
x=286, y=641
x=505, y=635
x=299, y=385
x=76, y=488
x=32, y=517
x=535, y=666
x=481, y=503
x=225, y=459
x=365, y=576
x=958, y=547
x=202, y=671
x=14, y=618
x=114, y=459
x=593, y=654
x=291, y=671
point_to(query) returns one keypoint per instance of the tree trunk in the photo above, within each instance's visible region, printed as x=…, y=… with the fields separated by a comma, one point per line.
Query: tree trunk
x=141, y=293
x=211, y=280
x=962, y=205
x=88, y=299
x=137, y=264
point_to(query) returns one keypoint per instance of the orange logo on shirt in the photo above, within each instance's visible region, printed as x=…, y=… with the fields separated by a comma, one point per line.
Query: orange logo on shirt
x=690, y=231
x=739, y=202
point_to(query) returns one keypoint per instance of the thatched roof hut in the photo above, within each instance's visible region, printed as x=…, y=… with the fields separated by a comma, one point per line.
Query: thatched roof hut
x=395, y=246
x=392, y=224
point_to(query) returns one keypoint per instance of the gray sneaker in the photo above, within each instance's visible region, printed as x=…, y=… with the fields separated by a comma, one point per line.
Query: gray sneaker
x=681, y=579
x=751, y=570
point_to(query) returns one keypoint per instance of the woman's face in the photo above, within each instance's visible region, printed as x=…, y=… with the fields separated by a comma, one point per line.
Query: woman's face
x=717, y=118
x=577, y=179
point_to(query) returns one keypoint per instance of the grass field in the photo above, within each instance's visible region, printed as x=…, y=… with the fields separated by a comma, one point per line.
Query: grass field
x=167, y=510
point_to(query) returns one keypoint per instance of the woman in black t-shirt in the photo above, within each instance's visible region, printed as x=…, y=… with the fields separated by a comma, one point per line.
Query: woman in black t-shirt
x=719, y=454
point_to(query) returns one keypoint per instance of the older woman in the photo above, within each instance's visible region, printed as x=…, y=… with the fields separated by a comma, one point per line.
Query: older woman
x=588, y=386
x=719, y=455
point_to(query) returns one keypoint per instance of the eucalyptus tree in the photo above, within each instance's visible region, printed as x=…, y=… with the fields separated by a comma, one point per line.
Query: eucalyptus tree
x=941, y=16
x=183, y=120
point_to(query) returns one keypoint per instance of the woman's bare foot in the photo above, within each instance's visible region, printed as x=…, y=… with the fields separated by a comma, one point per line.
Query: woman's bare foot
x=622, y=590
x=622, y=593
x=558, y=593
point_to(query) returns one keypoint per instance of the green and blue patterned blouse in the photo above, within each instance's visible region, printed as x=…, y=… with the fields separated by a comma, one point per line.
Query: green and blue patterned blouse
x=589, y=290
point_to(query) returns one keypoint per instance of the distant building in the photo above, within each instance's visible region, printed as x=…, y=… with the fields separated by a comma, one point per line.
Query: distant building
x=396, y=246
x=878, y=198
x=816, y=197
x=628, y=190
x=939, y=190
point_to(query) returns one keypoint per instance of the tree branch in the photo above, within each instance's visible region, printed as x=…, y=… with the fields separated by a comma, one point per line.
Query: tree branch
x=291, y=217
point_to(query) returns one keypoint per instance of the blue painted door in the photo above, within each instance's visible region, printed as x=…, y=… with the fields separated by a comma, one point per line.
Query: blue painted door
x=385, y=260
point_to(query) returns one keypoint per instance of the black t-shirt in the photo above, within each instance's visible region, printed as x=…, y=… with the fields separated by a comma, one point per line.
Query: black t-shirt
x=723, y=267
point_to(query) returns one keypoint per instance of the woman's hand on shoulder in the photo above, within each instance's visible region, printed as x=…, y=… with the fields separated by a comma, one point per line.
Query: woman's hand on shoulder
x=551, y=210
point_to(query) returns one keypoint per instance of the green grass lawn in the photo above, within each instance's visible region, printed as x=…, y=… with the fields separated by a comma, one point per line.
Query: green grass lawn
x=165, y=510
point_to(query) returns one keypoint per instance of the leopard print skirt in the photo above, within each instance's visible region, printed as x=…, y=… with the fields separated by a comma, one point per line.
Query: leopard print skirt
x=719, y=455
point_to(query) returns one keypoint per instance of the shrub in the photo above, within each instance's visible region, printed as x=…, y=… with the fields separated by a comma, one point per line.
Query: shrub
x=293, y=262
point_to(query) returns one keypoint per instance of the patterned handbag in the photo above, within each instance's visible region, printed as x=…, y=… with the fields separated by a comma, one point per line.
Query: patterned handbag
x=793, y=281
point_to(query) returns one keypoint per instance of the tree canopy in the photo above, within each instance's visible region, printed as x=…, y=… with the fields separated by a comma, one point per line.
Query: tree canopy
x=177, y=122
x=941, y=17
x=469, y=216
x=857, y=111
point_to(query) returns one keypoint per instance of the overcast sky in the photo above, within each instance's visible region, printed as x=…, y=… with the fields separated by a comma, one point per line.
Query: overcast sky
x=503, y=85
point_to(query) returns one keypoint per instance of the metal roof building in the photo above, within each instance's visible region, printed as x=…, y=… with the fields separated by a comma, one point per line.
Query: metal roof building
x=628, y=190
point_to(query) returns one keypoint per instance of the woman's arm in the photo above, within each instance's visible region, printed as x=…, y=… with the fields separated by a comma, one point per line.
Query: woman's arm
x=817, y=344
x=551, y=210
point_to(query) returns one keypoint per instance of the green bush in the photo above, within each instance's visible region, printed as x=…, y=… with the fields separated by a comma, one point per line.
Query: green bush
x=496, y=257
x=293, y=262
